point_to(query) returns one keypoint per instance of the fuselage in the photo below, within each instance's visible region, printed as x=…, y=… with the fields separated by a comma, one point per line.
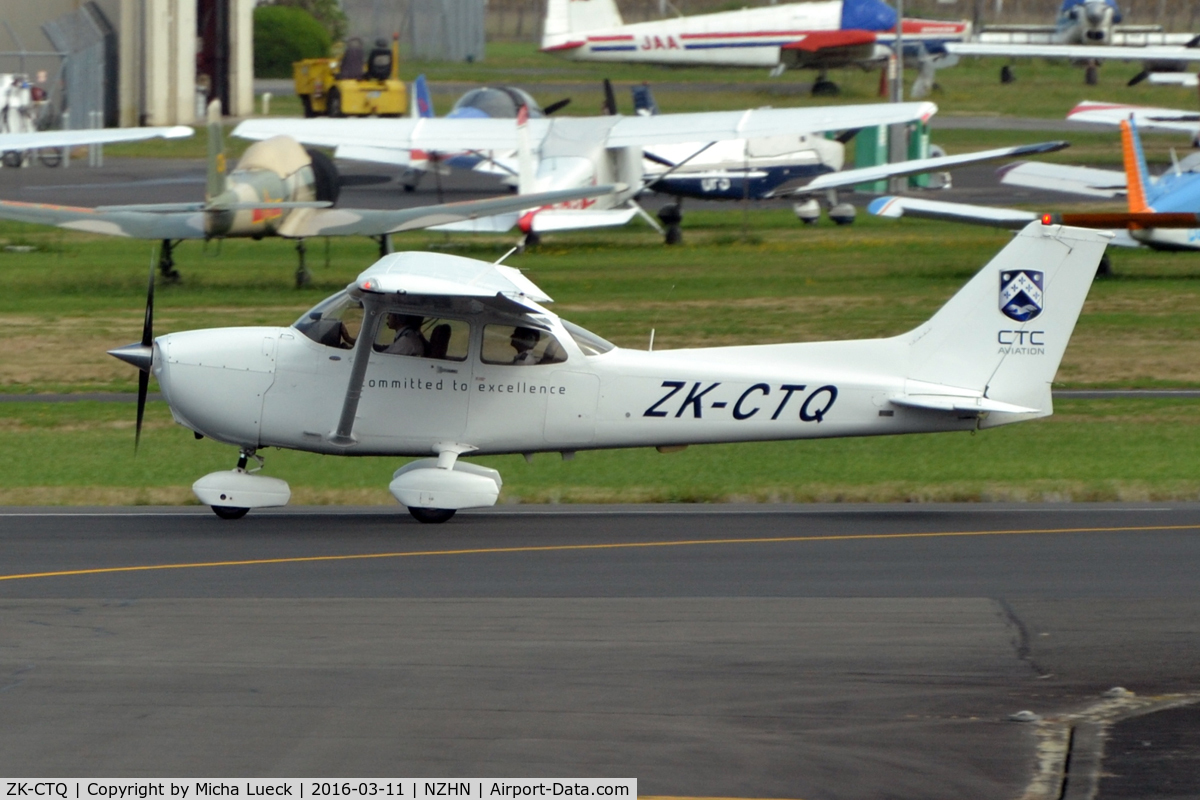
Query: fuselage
x=752, y=37
x=278, y=387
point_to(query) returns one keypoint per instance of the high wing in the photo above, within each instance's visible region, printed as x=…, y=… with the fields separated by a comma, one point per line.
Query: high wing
x=1011, y=218
x=1064, y=178
x=25, y=141
x=300, y=223
x=1077, y=51
x=1146, y=117
x=456, y=135
x=372, y=222
x=851, y=177
x=435, y=275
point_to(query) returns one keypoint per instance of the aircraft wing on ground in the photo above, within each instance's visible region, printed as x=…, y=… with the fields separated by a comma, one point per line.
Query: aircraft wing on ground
x=133, y=224
x=302, y=222
x=851, y=177
x=1146, y=117
x=1064, y=178
x=760, y=123
x=455, y=135
x=26, y=141
x=1077, y=51
x=1011, y=218
x=375, y=222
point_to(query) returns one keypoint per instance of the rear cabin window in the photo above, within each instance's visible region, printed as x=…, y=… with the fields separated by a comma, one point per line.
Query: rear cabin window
x=425, y=337
x=520, y=346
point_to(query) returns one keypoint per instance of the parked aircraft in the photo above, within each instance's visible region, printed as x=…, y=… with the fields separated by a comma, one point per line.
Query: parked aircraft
x=497, y=372
x=576, y=151
x=1168, y=120
x=806, y=168
x=278, y=189
x=819, y=35
x=1163, y=212
x=1086, y=31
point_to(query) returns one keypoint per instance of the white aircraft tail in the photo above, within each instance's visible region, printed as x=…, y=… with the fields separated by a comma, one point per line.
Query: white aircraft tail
x=568, y=17
x=1005, y=332
x=526, y=169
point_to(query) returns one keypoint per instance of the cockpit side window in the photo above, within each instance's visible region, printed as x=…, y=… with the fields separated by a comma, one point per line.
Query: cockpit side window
x=520, y=346
x=334, y=322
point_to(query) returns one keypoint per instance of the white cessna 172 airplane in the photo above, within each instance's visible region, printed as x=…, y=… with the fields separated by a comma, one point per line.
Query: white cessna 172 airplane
x=439, y=356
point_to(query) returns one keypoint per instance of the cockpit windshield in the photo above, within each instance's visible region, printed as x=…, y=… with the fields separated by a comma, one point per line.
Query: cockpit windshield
x=334, y=322
x=589, y=343
x=498, y=103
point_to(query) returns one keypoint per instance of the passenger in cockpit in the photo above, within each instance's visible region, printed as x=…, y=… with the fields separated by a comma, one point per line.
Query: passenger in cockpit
x=408, y=340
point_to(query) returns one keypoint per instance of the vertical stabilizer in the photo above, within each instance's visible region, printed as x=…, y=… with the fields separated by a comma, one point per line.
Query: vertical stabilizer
x=1005, y=332
x=216, y=152
x=422, y=101
x=1139, y=186
x=565, y=18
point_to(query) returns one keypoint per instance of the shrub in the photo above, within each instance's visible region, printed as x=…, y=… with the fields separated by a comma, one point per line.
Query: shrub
x=283, y=34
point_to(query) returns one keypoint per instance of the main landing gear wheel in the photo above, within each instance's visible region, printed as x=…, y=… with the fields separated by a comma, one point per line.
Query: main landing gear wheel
x=1006, y=74
x=671, y=216
x=1104, y=268
x=824, y=88
x=229, y=512
x=428, y=515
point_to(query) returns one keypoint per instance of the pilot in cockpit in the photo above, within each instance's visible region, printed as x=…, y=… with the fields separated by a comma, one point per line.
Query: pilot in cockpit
x=409, y=340
x=524, y=340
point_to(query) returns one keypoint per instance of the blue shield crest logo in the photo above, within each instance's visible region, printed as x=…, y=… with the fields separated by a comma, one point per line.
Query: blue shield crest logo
x=1021, y=294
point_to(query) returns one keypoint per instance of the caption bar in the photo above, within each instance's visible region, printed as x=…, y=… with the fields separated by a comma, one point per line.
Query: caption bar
x=410, y=788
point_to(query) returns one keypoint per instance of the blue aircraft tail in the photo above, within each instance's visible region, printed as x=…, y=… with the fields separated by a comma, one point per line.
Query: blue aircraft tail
x=422, y=100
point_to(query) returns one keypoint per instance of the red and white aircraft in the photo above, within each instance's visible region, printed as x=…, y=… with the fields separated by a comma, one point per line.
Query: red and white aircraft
x=815, y=35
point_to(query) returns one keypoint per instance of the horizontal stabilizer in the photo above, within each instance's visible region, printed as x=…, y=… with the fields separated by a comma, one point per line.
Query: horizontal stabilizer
x=958, y=405
x=952, y=212
x=1064, y=178
x=567, y=220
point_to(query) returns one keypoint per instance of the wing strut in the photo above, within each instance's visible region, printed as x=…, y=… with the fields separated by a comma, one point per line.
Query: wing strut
x=343, y=436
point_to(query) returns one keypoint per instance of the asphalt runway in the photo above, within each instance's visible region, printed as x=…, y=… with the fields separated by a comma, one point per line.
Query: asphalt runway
x=731, y=651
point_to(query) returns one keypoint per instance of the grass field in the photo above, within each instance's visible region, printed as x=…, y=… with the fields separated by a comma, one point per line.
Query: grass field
x=75, y=296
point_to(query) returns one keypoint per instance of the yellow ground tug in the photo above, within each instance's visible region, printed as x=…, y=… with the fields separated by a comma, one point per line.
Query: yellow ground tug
x=351, y=85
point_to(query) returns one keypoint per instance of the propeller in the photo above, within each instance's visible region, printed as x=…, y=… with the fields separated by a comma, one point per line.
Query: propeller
x=610, y=99
x=559, y=106
x=147, y=344
x=141, y=355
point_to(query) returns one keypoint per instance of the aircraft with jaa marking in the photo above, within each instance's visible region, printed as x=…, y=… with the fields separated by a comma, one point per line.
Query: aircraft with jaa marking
x=442, y=357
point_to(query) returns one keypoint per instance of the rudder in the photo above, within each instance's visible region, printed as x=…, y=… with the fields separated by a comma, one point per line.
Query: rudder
x=565, y=18
x=1005, y=332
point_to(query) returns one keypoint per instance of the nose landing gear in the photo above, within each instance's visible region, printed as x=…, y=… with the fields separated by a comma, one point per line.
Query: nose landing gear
x=232, y=493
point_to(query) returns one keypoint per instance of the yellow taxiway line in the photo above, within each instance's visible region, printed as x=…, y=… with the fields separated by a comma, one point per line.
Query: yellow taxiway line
x=578, y=547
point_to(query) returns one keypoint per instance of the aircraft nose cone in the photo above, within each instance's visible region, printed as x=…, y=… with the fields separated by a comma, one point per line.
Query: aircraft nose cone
x=1094, y=12
x=137, y=354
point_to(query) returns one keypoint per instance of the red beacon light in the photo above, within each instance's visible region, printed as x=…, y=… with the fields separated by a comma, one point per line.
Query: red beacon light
x=1047, y=219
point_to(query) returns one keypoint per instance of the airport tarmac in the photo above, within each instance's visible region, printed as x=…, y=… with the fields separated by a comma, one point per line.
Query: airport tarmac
x=843, y=651
x=365, y=185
